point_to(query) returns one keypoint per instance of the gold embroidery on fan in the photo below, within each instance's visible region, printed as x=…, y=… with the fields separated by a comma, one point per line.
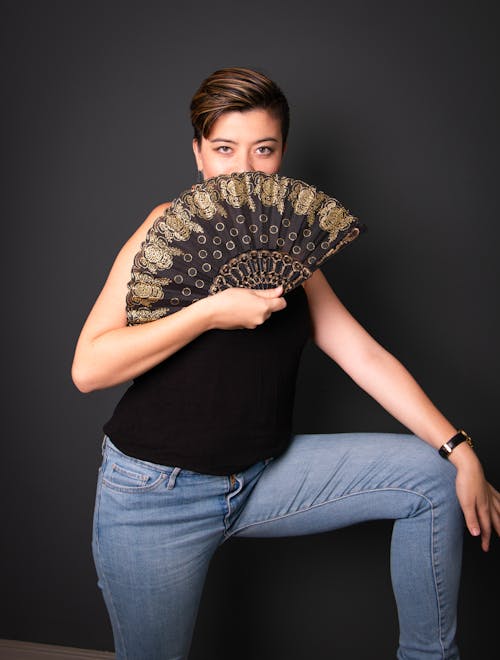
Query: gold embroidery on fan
x=257, y=269
x=254, y=268
x=136, y=316
x=271, y=191
x=176, y=226
x=238, y=193
x=204, y=204
x=146, y=289
x=156, y=255
x=347, y=239
x=305, y=199
x=334, y=218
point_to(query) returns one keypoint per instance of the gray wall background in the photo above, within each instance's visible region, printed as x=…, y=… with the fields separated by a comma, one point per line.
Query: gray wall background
x=394, y=112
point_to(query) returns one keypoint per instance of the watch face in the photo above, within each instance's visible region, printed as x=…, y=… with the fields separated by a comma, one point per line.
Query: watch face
x=445, y=450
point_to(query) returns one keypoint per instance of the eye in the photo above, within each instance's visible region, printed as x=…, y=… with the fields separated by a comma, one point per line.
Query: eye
x=265, y=150
x=222, y=149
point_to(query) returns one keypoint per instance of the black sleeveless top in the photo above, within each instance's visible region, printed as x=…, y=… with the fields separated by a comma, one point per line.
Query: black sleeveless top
x=222, y=402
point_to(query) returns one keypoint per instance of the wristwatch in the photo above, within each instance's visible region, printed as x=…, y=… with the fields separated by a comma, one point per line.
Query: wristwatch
x=449, y=446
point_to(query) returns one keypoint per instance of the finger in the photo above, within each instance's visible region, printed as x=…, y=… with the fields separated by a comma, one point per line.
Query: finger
x=279, y=304
x=494, y=491
x=495, y=495
x=495, y=520
x=496, y=502
x=471, y=519
x=494, y=509
x=494, y=499
x=269, y=293
x=485, y=524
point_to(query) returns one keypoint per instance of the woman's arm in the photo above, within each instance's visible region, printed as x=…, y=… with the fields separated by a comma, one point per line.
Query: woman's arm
x=382, y=376
x=371, y=366
x=109, y=352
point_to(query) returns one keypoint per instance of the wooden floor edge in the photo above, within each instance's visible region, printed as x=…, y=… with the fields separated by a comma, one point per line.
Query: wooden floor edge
x=29, y=650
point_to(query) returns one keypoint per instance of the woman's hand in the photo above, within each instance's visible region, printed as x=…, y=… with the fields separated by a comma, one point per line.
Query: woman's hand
x=240, y=308
x=480, y=502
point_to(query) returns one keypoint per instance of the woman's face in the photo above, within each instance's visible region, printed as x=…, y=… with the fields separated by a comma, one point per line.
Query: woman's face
x=241, y=142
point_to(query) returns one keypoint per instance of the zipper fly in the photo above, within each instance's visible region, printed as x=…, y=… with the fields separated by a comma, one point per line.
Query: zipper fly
x=234, y=489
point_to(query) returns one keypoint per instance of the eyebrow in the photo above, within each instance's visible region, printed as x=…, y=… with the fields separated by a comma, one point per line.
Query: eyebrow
x=266, y=139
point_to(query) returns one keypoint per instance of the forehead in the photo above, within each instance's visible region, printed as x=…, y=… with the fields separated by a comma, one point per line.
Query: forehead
x=253, y=124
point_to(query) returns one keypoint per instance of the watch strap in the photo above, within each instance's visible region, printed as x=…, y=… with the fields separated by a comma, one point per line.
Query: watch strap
x=461, y=436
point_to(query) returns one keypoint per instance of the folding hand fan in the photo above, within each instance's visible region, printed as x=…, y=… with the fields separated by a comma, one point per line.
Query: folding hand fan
x=246, y=229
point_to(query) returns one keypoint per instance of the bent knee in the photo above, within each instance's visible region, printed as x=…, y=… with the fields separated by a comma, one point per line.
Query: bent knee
x=435, y=472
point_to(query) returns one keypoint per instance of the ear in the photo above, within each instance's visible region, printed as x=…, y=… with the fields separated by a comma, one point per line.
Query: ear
x=197, y=155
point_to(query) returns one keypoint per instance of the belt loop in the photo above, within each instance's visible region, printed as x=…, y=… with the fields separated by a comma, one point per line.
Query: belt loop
x=103, y=444
x=173, y=477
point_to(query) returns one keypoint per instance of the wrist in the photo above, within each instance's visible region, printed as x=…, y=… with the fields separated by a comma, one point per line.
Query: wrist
x=463, y=455
x=460, y=436
x=458, y=449
x=207, y=312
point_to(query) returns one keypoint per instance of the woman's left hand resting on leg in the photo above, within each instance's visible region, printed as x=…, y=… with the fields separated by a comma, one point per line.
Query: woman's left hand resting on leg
x=480, y=502
x=383, y=377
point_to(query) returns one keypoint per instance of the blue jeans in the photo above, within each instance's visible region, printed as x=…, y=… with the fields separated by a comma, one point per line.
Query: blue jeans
x=156, y=528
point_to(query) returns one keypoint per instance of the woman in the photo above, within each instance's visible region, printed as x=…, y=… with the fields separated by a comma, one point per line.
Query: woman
x=198, y=450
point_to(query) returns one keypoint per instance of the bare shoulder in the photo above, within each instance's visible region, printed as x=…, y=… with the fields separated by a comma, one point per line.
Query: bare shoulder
x=109, y=310
x=134, y=242
x=124, y=260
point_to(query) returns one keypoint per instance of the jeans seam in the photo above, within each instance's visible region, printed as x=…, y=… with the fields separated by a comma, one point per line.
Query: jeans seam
x=364, y=492
x=436, y=585
x=341, y=497
x=103, y=575
x=135, y=489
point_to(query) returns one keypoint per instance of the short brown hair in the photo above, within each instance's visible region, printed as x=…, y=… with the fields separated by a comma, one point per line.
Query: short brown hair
x=236, y=88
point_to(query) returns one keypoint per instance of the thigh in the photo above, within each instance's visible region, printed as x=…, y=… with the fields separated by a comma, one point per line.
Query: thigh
x=327, y=481
x=155, y=531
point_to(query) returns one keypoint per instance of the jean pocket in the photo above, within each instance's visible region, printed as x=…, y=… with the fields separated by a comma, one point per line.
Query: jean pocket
x=119, y=475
